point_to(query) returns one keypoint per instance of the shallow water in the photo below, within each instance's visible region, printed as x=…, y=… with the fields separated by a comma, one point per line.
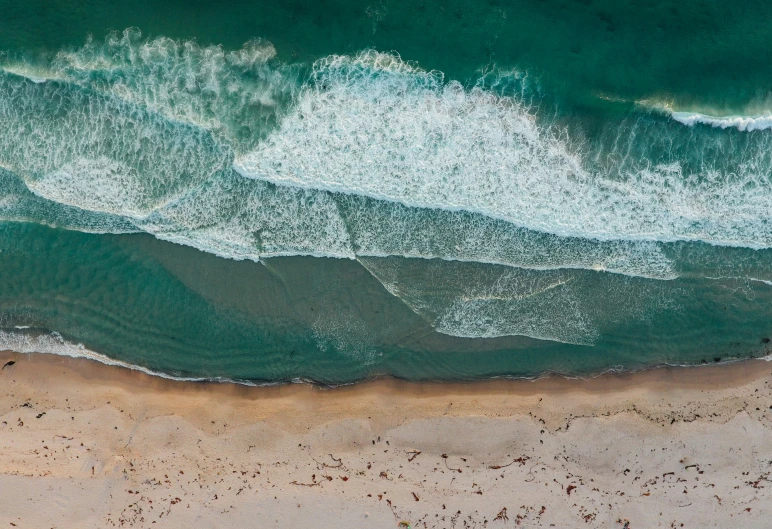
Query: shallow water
x=338, y=191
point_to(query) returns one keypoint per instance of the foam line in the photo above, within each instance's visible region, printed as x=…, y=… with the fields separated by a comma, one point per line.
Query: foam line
x=54, y=344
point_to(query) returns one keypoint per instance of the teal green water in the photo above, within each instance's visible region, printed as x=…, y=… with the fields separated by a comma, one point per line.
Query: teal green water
x=332, y=191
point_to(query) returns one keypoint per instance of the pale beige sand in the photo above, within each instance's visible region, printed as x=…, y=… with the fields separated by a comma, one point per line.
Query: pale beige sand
x=85, y=445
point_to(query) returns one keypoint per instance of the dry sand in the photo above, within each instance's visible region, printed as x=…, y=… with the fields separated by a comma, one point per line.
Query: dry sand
x=86, y=445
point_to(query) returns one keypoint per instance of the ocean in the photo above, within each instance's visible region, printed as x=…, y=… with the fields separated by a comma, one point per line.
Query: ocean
x=333, y=191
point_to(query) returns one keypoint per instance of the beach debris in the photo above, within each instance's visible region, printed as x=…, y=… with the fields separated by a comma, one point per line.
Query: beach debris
x=412, y=454
x=757, y=484
x=502, y=515
x=9, y=363
x=532, y=474
x=339, y=463
x=404, y=524
x=315, y=484
x=445, y=457
x=520, y=460
x=570, y=488
x=415, y=496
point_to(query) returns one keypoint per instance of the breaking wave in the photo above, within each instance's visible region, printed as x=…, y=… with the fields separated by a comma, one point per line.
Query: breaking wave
x=743, y=123
x=376, y=126
x=690, y=118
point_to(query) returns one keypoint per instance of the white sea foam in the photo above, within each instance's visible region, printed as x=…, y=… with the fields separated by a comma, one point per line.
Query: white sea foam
x=483, y=301
x=18, y=204
x=97, y=153
x=744, y=123
x=487, y=302
x=35, y=75
x=376, y=126
x=475, y=301
x=53, y=343
x=243, y=218
x=382, y=228
x=233, y=93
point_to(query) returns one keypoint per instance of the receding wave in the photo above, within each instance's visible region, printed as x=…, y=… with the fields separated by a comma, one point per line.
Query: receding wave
x=488, y=302
x=24, y=341
x=474, y=300
x=53, y=343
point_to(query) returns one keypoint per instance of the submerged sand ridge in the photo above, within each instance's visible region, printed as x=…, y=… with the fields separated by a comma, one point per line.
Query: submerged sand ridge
x=88, y=445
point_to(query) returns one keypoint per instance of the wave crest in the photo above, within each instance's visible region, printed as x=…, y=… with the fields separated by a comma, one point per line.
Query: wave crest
x=743, y=123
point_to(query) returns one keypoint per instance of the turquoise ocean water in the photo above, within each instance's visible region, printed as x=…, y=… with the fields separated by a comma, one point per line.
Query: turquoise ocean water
x=332, y=191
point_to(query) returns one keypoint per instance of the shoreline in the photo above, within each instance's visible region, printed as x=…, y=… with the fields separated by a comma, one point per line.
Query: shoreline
x=78, y=363
x=719, y=374
x=81, y=353
x=375, y=453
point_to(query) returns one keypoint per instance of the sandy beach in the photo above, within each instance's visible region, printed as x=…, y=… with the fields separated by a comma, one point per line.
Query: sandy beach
x=88, y=445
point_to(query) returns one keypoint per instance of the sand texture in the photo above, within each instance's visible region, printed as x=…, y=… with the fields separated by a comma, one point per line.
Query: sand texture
x=85, y=445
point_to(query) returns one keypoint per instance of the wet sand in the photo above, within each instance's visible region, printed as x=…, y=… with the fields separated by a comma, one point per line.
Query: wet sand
x=88, y=445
